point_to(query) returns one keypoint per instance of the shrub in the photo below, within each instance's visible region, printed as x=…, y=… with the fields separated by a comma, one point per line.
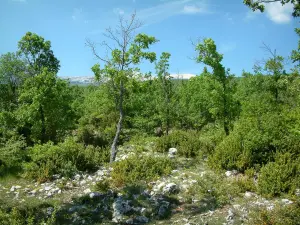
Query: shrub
x=134, y=169
x=11, y=154
x=65, y=158
x=281, y=176
x=281, y=215
x=186, y=142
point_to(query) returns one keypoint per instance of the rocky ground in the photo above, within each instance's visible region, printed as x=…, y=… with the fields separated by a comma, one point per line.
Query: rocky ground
x=184, y=197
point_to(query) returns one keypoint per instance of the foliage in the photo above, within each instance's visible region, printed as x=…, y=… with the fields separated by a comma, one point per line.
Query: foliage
x=260, y=5
x=280, y=176
x=45, y=108
x=66, y=159
x=187, y=143
x=131, y=170
x=281, y=215
x=38, y=54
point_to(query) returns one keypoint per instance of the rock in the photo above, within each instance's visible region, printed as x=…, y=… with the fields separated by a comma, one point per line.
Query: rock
x=50, y=210
x=249, y=194
x=47, y=188
x=297, y=192
x=172, y=152
x=142, y=219
x=120, y=208
x=83, y=182
x=286, y=201
x=87, y=191
x=77, y=177
x=230, y=216
x=170, y=188
x=95, y=194
x=270, y=207
x=14, y=188
x=231, y=173
x=56, y=176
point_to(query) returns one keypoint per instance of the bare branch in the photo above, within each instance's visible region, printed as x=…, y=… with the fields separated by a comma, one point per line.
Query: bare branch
x=91, y=45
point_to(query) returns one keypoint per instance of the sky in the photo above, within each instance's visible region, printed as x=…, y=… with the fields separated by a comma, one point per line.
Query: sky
x=238, y=32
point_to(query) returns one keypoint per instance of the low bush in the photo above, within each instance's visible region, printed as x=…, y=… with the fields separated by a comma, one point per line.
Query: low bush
x=281, y=215
x=12, y=153
x=187, y=143
x=65, y=158
x=140, y=168
x=281, y=176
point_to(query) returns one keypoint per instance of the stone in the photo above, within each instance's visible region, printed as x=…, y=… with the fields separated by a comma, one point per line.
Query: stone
x=50, y=210
x=297, y=192
x=87, y=191
x=248, y=194
x=14, y=188
x=95, y=195
x=172, y=152
x=77, y=177
x=120, y=208
x=286, y=201
x=47, y=188
x=142, y=219
x=231, y=173
x=170, y=188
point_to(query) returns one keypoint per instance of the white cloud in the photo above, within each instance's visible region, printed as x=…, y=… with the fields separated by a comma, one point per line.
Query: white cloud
x=118, y=11
x=168, y=9
x=184, y=76
x=279, y=13
x=191, y=9
x=77, y=14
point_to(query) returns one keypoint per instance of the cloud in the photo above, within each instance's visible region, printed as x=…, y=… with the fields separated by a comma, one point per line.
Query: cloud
x=118, y=11
x=77, y=14
x=279, y=13
x=191, y=9
x=227, y=47
x=167, y=9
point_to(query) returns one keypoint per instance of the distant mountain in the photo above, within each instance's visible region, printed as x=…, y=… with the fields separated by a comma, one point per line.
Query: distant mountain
x=87, y=80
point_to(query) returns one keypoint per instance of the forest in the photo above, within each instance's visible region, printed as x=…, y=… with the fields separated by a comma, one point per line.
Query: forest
x=236, y=136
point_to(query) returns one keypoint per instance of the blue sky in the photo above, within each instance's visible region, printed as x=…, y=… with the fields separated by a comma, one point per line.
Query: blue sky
x=237, y=31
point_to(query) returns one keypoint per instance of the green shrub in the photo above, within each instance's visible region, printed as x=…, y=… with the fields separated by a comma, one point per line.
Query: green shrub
x=138, y=168
x=281, y=215
x=281, y=176
x=65, y=158
x=186, y=142
x=12, y=153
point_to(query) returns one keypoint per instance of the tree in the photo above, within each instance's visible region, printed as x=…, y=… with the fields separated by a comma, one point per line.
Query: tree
x=260, y=5
x=296, y=53
x=12, y=70
x=166, y=90
x=224, y=86
x=45, y=108
x=119, y=68
x=38, y=54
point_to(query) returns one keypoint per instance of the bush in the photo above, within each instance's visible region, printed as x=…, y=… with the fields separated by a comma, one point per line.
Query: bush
x=12, y=153
x=281, y=176
x=134, y=169
x=187, y=143
x=65, y=158
x=284, y=215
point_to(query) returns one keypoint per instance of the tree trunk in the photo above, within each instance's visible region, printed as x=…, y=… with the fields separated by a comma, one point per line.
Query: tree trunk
x=114, y=149
x=43, y=137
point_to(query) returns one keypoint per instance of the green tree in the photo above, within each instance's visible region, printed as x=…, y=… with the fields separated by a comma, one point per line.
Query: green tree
x=165, y=90
x=12, y=70
x=224, y=84
x=296, y=53
x=120, y=67
x=260, y=5
x=45, y=107
x=38, y=54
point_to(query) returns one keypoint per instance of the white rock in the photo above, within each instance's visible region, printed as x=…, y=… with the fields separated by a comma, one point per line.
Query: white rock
x=170, y=188
x=297, y=192
x=248, y=194
x=94, y=194
x=47, y=188
x=87, y=191
x=83, y=182
x=172, y=152
x=77, y=177
x=286, y=201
